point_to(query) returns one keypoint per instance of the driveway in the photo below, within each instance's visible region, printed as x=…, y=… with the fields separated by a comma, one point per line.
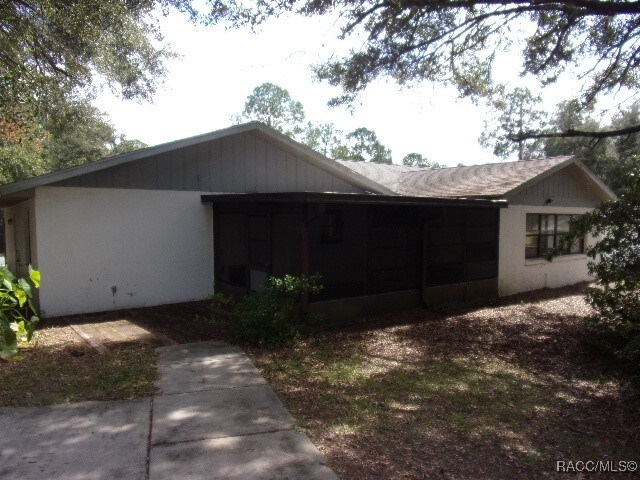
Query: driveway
x=214, y=417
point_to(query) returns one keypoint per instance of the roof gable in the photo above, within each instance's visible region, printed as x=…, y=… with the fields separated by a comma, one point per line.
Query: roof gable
x=573, y=185
x=175, y=165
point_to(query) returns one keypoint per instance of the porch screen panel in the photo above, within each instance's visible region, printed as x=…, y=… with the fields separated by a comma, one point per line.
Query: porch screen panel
x=462, y=245
x=285, y=238
x=338, y=250
x=394, y=259
x=445, y=245
x=481, y=244
x=259, y=254
x=232, y=251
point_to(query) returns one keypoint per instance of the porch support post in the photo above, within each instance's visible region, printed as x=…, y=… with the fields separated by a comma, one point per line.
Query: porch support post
x=303, y=250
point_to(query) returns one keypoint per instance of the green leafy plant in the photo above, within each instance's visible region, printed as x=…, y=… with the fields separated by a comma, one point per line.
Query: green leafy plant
x=270, y=318
x=18, y=314
x=616, y=266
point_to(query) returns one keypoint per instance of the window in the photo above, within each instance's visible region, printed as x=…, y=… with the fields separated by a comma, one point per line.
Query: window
x=543, y=233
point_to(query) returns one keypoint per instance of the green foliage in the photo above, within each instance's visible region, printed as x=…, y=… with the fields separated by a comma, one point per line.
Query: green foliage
x=77, y=134
x=364, y=146
x=324, y=138
x=18, y=314
x=569, y=114
x=615, y=264
x=74, y=134
x=609, y=158
x=122, y=144
x=519, y=112
x=52, y=51
x=270, y=318
x=455, y=42
x=53, y=57
x=21, y=151
x=273, y=105
x=418, y=160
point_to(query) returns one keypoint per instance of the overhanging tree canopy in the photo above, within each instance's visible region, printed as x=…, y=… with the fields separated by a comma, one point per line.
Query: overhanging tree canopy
x=456, y=41
x=52, y=49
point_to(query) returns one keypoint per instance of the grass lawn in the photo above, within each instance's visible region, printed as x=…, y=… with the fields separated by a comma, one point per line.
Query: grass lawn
x=58, y=367
x=494, y=392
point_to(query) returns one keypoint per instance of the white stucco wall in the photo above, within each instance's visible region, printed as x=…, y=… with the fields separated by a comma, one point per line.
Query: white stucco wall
x=106, y=249
x=515, y=274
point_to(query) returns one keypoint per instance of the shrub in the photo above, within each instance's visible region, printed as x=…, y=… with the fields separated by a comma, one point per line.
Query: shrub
x=18, y=314
x=270, y=318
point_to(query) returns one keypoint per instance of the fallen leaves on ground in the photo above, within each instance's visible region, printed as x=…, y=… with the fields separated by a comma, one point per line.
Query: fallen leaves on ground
x=498, y=391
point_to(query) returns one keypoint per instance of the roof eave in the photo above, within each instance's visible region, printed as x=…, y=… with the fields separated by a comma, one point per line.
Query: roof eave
x=348, y=198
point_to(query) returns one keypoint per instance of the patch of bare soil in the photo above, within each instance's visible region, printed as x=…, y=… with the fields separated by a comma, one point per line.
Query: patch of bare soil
x=498, y=391
x=59, y=366
x=167, y=324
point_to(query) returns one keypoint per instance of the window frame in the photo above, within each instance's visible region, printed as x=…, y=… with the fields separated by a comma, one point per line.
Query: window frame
x=554, y=235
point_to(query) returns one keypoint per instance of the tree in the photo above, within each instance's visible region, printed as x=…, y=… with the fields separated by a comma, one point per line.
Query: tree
x=273, y=105
x=616, y=266
x=21, y=150
x=597, y=154
x=122, y=145
x=77, y=134
x=364, y=146
x=455, y=42
x=627, y=146
x=53, y=56
x=520, y=112
x=53, y=49
x=622, y=151
x=418, y=160
x=569, y=115
x=608, y=158
x=323, y=137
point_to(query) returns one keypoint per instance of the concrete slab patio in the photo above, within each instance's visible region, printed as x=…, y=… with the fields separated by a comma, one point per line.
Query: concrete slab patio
x=266, y=456
x=87, y=440
x=214, y=417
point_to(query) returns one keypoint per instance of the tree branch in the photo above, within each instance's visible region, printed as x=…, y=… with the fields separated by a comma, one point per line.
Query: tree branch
x=573, y=133
x=584, y=7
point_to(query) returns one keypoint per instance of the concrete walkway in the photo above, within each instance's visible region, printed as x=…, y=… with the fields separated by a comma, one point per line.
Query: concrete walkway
x=214, y=417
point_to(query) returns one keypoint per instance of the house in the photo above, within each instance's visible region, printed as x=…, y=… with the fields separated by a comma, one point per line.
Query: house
x=227, y=209
x=542, y=196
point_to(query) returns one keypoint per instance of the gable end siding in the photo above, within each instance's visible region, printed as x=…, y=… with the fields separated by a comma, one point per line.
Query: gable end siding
x=242, y=163
x=569, y=187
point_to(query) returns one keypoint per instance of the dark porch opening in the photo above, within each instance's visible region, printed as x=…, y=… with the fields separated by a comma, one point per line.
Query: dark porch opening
x=362, y=245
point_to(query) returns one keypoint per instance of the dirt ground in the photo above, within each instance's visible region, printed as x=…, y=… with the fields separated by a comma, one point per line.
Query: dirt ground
x=496, y=391
x=484, y=391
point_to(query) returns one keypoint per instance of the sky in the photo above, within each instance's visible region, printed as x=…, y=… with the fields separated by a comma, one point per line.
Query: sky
x=217, y=69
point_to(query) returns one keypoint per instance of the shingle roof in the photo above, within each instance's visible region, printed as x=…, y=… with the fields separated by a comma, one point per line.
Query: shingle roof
x=488, y=180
